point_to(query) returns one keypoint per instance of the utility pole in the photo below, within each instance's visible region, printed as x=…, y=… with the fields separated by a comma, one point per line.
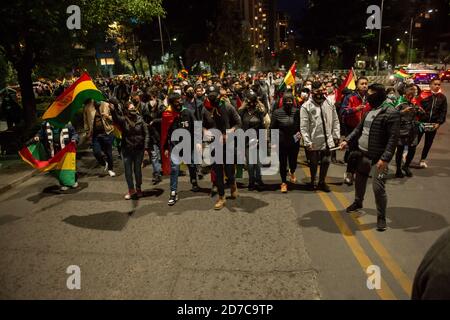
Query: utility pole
x=160, y=35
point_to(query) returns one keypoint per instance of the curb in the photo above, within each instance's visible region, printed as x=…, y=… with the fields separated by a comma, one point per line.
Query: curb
x=31, y=174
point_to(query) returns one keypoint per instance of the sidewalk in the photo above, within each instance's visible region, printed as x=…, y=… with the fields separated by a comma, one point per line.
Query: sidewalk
x=14, y=171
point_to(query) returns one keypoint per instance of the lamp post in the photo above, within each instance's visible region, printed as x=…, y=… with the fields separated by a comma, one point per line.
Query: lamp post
x=379, y=38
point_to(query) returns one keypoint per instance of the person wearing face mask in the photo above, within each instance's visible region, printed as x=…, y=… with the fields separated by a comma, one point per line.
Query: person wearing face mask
x=252, y=115
x=221, y=115
x=304, y=96
x=287, y=121
x=330, y=92
x=435, y=106
x=353, y=108
x=178, y=117
x=376, y=137
x=391, y=96
x=409, y=130
x=319, y=126
x=152, y=114
x=135, y=141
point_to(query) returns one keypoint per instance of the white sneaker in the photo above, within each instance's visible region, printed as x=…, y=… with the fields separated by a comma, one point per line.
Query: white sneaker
x=348, y=178
x=111, y=173
x=64, y=188
x=75, y=185
x=423, y=164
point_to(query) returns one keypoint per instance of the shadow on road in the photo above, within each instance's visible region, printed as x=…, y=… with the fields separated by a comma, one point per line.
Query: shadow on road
x=407, y=219
x=241, y=204
x=110, y=221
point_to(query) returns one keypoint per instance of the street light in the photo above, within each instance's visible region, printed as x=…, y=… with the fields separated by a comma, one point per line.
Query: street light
x=411, y=39
x=379, y=38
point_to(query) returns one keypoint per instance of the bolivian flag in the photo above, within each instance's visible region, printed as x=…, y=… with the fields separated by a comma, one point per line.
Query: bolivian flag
x=289, y=80
x=183, y=74
x=402, y=74
x=62, y=165
x=62, y=110
x=349, y=83
x=168, y=118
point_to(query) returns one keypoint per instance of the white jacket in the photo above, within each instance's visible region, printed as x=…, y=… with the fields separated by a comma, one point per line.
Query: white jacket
x=311, y=126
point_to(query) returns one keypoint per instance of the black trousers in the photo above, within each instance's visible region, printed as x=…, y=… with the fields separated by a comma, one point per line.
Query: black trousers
x=409, y=157
x=219, y=170
x=429, y=138
x=324, y=156
x=288, y=154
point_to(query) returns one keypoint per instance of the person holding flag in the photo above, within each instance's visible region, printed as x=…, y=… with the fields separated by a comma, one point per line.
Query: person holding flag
x=177, y=117
x=53, y=140
x=353, y=109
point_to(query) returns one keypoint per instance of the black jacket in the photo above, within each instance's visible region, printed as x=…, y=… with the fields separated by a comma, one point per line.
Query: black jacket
x=287, y=122
x=383, y=136
x=223, y=118
x=135, y=136
x=185, y=121
x=435, y=107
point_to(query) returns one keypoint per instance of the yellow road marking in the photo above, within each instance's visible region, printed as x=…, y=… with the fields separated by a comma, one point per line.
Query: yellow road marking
x=385, y=292
x=390, y=263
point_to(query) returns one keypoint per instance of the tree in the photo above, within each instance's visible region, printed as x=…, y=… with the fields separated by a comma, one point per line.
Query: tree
x=32, y=32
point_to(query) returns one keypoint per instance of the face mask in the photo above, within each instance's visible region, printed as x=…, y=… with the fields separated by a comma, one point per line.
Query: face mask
x=375, y=100
x=319, y=97
x=288, y=105
x=212, y=97
x=304, y=95
x=177, y=91
x=392, y=96
x=308, y=86
x=190, y=94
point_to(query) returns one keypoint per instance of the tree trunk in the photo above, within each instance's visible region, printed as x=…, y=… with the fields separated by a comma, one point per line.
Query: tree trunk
x=133, y=64
x=150, y=65
x=26, y=89
x=141, y=66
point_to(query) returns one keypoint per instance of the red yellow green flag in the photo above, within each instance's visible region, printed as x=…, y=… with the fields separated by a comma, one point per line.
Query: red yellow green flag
x=62, y=165
x=349, y=83
x=62, y=110
x=289, y=79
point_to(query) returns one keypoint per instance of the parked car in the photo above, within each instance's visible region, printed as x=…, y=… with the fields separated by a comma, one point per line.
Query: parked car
x=445, y=75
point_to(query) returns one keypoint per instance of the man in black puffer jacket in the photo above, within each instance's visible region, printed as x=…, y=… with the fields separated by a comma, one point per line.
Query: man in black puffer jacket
x=376, y=137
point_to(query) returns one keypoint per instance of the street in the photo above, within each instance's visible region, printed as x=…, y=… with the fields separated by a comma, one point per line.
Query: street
x=264, y=245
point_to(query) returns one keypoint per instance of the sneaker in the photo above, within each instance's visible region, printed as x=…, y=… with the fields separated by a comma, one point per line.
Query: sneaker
x=64, y=188
x=408, y=172
x=399, y=174
x=348, y=178
x=139, y=193
x=75, y=185
x=423, y=164
x=284, y=188
x=220, y=203
x=131, y=193
x=195, y=187
x=292, y=177
x=173, y=198
x=111, y=173
x=324, y=187
x=251, y=187
x=354, y=207
x=381, y=224
x=156, y=179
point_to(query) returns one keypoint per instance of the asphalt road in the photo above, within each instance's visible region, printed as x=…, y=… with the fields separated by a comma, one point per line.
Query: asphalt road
x=264, y=245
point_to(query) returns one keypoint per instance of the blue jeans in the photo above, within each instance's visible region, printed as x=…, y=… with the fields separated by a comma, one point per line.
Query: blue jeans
x=132, y=162
x=156, y=160
x=175, y=171
x=102, y=144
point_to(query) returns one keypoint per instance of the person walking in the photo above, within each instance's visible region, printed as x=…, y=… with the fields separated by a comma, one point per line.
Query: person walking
x=99, y=129
x=287, y=120
x=135, y=141
x=320, y=128
x=376, y=137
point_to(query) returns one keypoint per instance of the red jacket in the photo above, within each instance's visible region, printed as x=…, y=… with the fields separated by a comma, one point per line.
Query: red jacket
x=351, y=117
